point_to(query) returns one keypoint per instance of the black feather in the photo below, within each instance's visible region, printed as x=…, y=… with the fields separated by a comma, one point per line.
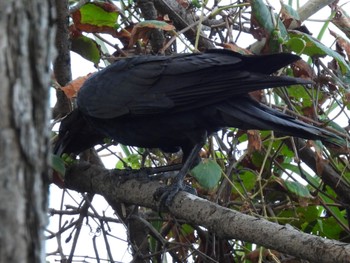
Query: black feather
x=171, y=102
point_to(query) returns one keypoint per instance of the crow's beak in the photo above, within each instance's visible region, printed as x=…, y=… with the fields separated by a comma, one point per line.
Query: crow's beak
x=61, y=144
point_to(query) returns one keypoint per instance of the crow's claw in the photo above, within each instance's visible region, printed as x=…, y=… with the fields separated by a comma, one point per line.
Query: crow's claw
x=166, y=194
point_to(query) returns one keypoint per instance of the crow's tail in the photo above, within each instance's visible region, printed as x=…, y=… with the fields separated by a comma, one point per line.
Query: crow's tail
x=247, y=113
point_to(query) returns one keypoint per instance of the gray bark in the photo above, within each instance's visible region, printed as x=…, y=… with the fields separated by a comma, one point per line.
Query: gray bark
x=25, y=54
x=224, y=222
x=311, y=7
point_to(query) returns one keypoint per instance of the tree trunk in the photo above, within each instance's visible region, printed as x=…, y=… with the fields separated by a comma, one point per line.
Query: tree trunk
x=25, y=54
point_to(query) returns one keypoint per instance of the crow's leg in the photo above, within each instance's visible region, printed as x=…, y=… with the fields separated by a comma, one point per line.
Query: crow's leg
x=165, y=195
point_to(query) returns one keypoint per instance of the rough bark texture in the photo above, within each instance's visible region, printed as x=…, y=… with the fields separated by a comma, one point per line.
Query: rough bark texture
x=150, y=13
x=25, y=53
x=62, y=65
x=225, y=223
x=311, y=7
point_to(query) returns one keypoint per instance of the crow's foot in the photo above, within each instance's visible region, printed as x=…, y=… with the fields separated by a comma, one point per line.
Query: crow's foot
x=166, y=194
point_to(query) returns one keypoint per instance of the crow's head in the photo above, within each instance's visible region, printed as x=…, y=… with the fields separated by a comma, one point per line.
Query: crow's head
x=76, y=135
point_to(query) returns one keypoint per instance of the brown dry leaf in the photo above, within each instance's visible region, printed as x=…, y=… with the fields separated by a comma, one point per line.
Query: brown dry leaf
x=72, y=88
x=320, y=163
x=124, y=35
x=341, y=20
x=254, y=141
x=301, y=69
x=184, y=3
x=333, y=65
x=309, y=112
x=234, y=47
x=324, y=80
x=258, y=32
x=303, y=202
x=342, y=43
x=57, y=179
x=267, y=255
x=289, y=21
x=258, y=95
x=346, y=98
x=143, y=29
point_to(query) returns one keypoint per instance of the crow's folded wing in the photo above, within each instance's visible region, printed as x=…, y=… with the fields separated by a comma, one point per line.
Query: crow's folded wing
x=157, y=84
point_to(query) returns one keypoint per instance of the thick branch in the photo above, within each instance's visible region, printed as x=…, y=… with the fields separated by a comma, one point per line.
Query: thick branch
x=311, y=7
x=62, y=64
x=26, y=51
x=224, y=222
x=150, y=13
x=182, y=19
x=323, y=169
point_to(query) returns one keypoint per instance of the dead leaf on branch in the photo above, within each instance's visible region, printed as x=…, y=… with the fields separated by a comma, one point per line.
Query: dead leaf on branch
x=143, y=29
x=72, y=88
x=254, y=141
x=342, y=43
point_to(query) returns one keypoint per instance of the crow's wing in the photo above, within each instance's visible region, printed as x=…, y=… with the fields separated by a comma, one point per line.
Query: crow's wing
x=246, y=113
x=157, y=84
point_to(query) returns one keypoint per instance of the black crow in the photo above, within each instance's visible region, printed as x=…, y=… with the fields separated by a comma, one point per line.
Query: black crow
x=173, y=102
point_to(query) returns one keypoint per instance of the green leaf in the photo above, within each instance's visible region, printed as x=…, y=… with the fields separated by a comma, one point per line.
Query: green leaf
x=87, y=48
x=133, y=161
x=243, y=137
x=262, y=17
x=300, y=217
x=98, y=14
x=296, y=44
x=157, y=225
x=295, y=169
x=310, y=213
x=339, y=214
x=297, y=188
x=298, y=92
x=244, y=182
x=315, y=48
x=196, y=3
x=58, y=164
x=186, y=229
x=331, y=228
x=335, y=126
x=290, y=11
x=286, y=152
x=320, y=225
x=207, y=174
x=258, y=160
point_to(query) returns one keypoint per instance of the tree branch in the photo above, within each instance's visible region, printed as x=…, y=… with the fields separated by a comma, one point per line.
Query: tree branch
x=62, y=66
x=311, y=7
x=323, y=169
x=150, y=13
x=182, y=19
x=226, y=223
